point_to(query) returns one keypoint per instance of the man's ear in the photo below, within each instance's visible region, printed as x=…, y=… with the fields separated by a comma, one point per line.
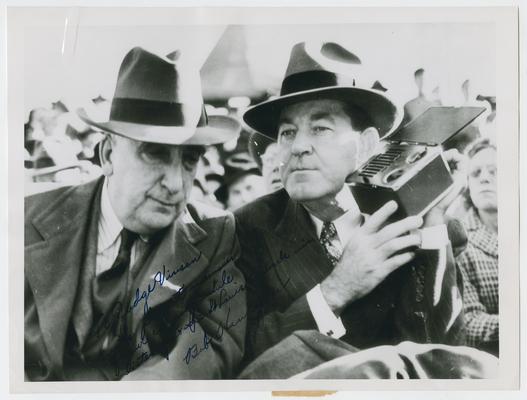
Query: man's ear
x=105, y=154
x=369, y=140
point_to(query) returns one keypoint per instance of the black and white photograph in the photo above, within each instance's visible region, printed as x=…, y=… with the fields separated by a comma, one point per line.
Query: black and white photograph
x=249, y=196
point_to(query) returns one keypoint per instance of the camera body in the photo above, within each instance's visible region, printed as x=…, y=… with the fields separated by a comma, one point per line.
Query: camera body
x=409, y=167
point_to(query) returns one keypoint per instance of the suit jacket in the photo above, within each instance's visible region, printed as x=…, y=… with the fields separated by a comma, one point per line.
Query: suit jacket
x=188, y=309
x=282, y=259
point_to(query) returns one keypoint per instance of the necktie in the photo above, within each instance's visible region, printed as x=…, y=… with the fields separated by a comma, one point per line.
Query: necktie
x=109, y=300
x=331, y=243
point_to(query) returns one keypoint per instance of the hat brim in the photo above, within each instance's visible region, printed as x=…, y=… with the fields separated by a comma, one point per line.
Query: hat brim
x=37, y=172
x=384, y=114
x=220, y=129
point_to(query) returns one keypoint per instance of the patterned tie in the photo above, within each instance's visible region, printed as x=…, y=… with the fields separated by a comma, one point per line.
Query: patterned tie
x=331, y=243
x=109, y=290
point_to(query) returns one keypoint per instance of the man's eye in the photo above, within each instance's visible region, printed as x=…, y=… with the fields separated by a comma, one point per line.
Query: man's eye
x=191, y=158
x=321, y=129
x=155, y=153
x=287, y=133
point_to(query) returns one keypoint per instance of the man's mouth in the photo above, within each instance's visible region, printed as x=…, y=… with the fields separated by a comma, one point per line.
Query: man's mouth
x=165, y=203
x=301, y=169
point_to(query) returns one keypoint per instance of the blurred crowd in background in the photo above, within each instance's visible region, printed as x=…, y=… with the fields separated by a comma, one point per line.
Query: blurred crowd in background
x=61, y=150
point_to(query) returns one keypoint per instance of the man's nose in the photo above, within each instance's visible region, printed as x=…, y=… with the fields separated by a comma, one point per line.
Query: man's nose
x=173, y=178
x=302, y=143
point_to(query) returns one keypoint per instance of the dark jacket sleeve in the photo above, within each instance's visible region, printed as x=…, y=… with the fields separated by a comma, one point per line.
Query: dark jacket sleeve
x=432, y=310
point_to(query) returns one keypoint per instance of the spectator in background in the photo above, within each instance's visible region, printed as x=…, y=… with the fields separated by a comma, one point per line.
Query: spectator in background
x=265, y=151
x=240, y=186
x=479, y=262
x=419, y=104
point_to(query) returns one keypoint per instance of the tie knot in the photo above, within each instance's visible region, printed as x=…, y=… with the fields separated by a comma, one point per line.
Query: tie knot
x=127, y=239
x=329, y=231
x=331, y=243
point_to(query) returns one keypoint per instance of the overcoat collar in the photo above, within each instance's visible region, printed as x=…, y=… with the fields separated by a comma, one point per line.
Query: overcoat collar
x=298, y=239
x=295, y=224
x=52, y=266
x=171, y=269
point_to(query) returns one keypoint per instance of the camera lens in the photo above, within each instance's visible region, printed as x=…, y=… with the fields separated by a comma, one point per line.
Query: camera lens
x=394, y=175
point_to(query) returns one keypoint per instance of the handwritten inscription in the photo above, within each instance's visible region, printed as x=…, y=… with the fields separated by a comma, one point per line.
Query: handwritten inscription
x=159, y=280
x=195, y=350
x=213, y=294
x=211, y=291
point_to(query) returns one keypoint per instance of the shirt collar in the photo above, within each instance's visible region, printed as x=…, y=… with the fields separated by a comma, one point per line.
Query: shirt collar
x=347, y=221
x=479, y=235
x=109, y=225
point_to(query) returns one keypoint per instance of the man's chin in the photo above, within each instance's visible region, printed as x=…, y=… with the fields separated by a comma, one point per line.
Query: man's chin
x=156, y=221
x=303, y=192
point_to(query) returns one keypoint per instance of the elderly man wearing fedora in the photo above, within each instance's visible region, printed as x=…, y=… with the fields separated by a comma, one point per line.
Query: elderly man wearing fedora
x=313, y=262
x=124, y=279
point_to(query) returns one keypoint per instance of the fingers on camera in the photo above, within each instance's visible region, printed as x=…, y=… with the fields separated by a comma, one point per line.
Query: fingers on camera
x=398, y=228
x=379, y=217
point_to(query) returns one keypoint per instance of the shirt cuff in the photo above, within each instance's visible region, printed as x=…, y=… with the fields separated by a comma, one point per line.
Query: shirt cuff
x=434, y=237
x=327, y=322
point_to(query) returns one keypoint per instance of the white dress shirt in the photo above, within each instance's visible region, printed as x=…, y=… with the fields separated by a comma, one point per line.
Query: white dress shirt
x=109, y=236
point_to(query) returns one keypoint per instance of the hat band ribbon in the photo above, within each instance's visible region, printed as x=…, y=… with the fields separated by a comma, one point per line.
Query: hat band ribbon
x=310, y=80
x=148, y=112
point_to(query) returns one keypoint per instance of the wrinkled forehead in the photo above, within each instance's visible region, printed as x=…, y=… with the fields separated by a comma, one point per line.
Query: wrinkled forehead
x=311, y=110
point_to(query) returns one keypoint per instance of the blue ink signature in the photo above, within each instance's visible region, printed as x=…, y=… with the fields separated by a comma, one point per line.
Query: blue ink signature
x=194, y=351
x=159, y=279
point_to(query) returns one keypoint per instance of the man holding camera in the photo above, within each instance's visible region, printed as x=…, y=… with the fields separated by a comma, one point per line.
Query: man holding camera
x=312, y=261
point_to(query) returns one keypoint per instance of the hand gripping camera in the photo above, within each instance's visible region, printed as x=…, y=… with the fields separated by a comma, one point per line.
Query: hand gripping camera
x=409, y=167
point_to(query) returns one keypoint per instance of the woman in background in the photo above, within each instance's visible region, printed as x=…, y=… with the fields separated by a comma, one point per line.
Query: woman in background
x=479, y=262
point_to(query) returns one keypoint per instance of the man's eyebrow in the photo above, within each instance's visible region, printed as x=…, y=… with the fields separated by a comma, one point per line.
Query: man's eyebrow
x=284, y=120
x=321, y=115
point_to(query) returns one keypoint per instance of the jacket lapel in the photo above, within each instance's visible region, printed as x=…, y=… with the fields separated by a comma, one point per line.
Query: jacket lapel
x=306, y=265
x=52, y=266
x=172, y=265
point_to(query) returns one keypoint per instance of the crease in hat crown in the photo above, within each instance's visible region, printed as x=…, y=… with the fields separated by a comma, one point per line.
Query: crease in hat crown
x=319, y=70
x=158, y=99
x=147, y=80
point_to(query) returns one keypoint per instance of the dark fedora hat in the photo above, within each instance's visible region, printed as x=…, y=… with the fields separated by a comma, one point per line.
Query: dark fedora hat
x=158, y=99
x=320, y=71
x=232, y=175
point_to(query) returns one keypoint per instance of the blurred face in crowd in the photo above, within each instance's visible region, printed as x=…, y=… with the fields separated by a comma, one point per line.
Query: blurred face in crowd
x=482, y=180
x=319, y=148
x=149, y=183
x=271, y=168
x=244, y=190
